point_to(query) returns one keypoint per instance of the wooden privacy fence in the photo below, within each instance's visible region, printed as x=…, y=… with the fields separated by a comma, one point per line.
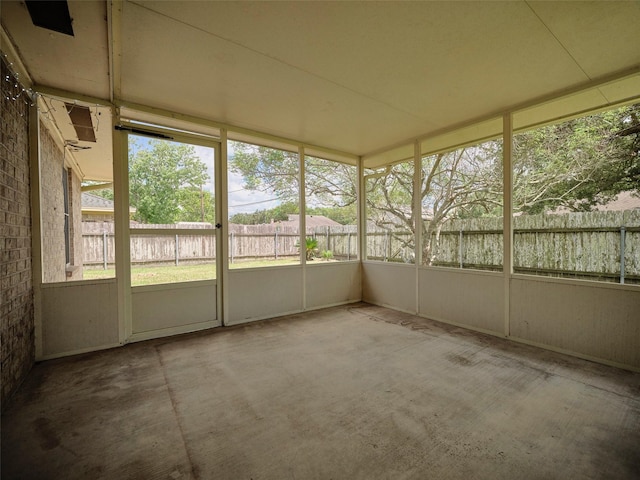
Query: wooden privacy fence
x=595, y=245
x=245, y=242
x=390, y=246
x=598, y=245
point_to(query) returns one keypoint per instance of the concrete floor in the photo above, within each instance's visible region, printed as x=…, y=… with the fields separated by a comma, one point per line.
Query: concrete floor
x=354, y=392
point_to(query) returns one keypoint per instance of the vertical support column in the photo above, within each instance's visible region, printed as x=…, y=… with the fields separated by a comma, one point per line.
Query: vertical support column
x=417, y=209
x=507, y=224
x=121, y=226
x=362, y=214
x=417, y=201
x=303, y=224
x=222, y=217
x=36, y=223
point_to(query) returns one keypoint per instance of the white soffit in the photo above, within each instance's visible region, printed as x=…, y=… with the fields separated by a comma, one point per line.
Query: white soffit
x=97, y=161
x=93, y=159
x=76, y=64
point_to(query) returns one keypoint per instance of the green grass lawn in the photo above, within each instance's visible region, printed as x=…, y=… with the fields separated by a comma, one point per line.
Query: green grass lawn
x=152, y=275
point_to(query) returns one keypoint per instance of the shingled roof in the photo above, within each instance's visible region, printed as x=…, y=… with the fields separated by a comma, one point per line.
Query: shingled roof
x=94, y=202
x=312, y=221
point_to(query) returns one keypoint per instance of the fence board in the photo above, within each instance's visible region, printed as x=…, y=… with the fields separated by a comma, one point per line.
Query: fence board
x=577, y=243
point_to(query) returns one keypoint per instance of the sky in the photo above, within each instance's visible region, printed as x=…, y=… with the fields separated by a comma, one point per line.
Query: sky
x=240, y=199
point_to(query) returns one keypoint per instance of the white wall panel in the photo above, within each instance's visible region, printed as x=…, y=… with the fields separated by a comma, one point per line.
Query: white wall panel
x=390, y=284
x=78, y=317
x=592, y=320
x=332, y=284
x=260, y=293
x=467, y=298
x=161, y=307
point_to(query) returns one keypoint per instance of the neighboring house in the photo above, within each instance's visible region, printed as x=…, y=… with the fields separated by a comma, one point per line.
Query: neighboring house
x=98, y=209
x=312, y=221
x=291, y=225
x=627, y=200
x=623, y=201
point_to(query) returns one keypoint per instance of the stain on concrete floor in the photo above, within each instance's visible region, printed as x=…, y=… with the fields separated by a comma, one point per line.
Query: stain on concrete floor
x=348, y=392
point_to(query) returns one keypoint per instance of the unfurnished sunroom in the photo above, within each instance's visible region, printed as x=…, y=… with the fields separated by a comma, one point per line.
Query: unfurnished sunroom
x=174, y=167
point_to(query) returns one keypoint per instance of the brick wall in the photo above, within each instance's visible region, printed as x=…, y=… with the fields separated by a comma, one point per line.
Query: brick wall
x=52, y=208
x=75, y=204
x=52, y=160
x=16, y=288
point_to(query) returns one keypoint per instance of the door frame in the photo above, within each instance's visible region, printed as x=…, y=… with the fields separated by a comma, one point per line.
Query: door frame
x=123, y=130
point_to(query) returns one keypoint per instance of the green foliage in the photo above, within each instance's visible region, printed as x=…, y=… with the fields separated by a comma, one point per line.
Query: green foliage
x=389, y=197
x=343, y=215
x=166, y=184
x=311, y=247
x=579, y=163
x=277, y=214
x=330, y=187
x=326, y=255
x=196, y=205
x=575, y=164
x=267, y=170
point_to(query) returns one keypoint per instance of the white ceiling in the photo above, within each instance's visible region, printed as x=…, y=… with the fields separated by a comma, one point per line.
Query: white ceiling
x=352, y=76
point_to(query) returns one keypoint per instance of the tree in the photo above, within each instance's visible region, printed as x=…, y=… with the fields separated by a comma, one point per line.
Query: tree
x=166, y=184
x=347, y=215
x=575, y=164
x=463, y=183
x=330, y=187
x=267, y=170
x=196, y=205
x=259, y=217
x=579, y=163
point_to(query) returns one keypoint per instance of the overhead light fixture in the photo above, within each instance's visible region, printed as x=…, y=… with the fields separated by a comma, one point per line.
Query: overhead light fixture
x=52, y=15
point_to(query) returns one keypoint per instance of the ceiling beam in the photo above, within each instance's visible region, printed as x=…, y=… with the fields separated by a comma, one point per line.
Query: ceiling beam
x=67, y=95
x=114, y=26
